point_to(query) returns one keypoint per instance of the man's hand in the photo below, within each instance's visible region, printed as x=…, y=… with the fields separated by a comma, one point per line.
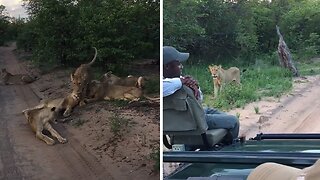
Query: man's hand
x=191, y=83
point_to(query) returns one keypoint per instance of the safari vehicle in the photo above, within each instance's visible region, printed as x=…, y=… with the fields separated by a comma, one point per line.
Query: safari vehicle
x=236, y=161
x=208, y=154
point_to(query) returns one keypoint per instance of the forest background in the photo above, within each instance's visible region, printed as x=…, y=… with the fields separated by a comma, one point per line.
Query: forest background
x=62, y=33
x=242, y=33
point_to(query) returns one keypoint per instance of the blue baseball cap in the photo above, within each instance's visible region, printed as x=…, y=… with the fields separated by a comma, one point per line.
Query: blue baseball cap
x=171, y=54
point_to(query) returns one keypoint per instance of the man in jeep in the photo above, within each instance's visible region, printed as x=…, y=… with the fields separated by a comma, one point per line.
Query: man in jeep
x=173, y=81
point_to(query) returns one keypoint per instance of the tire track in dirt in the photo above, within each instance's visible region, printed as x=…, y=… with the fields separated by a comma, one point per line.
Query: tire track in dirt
x=308, y=122
x=297, y=110
x=8, y=167
x=296, y=113
x=25, y=157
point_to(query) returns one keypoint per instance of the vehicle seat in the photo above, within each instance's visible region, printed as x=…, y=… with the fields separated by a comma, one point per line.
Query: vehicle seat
x=184, y=121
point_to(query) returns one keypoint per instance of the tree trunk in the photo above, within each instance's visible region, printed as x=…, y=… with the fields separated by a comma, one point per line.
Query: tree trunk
x=285, y=57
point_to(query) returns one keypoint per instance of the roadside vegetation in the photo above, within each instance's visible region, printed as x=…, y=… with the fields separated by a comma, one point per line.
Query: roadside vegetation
x=62, y=33
x=243, y=34
x=256, y=82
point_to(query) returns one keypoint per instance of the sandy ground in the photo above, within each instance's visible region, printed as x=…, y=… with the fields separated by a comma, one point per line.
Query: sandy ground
x=106, y=140
x=296, y=111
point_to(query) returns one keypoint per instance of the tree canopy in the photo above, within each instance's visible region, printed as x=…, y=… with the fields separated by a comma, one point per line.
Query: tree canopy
x=220, y=30
x=63, y=32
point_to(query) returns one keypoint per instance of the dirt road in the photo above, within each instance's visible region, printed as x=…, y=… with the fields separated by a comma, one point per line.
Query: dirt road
x=295, y=112
x=22, y=156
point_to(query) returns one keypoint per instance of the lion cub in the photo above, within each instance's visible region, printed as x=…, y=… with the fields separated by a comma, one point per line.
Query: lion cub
x=10, y=79
x=221, y=77
x=39, y=119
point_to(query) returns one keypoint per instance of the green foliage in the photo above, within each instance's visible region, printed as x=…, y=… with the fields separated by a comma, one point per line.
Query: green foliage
x=180, y=23
x=152, y=86
x=256, y=82
x=64, y=32
x=4, y=25
x=117, y=124
x=245, y=30
x=155, y=156
x=228, y=31
x=246, y=37
x=238, y=115
x=300, y=25
x=233, y=96
x=256, y=109
x=310, y=68
x=120, y=103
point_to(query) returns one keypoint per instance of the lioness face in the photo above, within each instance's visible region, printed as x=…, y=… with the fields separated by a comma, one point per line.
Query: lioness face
x=53, y=114
x=79, y=83
x=110, y=78
x=214, y=71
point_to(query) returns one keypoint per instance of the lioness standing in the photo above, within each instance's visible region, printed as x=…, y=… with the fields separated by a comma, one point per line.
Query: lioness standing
x=221, y=77
x=10, y=79
x=82, y=77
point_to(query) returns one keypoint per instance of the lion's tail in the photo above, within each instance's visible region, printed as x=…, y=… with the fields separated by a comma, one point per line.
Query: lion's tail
x=140, y=82
x=150, y=98
x=26, y=113
x=95, y=56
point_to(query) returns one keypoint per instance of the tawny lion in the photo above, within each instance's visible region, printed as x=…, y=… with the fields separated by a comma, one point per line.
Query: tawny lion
x=125, y=81
x=10, y=79
x=39, y=119
x=82, y=77
x=65, y=104
x=106, y=91
x=221, y=77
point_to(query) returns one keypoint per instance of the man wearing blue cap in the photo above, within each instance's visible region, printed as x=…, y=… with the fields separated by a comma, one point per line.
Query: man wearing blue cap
x=173, y=81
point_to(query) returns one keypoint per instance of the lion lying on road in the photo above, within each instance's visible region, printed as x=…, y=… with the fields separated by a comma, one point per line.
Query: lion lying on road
x=10, y=79
x=65, y=104
x=106, y=91
x=126, y=81
x=221, y=77
x=39, y=119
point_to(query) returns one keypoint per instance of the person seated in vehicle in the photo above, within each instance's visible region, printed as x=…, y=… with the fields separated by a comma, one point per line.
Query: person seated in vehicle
x=274, y=171
x=173, y=81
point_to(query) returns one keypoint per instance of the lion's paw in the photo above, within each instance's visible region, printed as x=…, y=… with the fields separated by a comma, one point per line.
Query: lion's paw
x=63, y=140
x=50, y=142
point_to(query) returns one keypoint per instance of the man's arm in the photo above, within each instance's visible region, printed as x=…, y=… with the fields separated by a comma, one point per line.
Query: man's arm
x=171, y=85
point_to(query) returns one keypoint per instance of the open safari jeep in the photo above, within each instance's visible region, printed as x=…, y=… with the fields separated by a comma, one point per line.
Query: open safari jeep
x=210, y=154
x=184, y=123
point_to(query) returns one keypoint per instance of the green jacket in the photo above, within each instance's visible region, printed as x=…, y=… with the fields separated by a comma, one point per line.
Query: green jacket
x=182, y=113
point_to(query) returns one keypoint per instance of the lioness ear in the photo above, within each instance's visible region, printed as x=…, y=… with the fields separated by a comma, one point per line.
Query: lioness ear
x=108, y=74
x=71, y=76
x=3, y=69
x=53, y=108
